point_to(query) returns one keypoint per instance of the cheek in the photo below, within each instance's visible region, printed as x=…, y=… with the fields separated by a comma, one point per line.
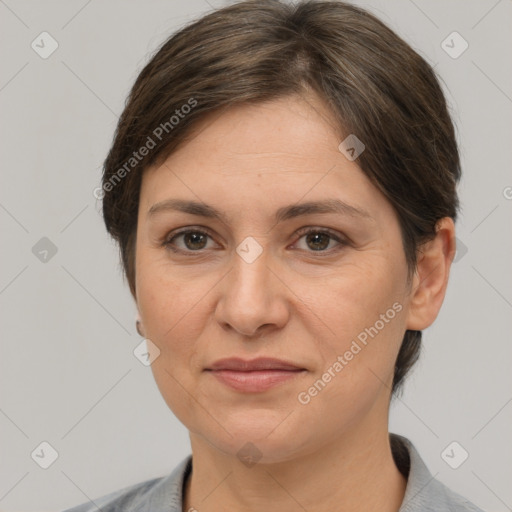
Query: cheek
x=362, y=327
x=169, y=304
x=174, y=308
x=362, y=312
x=355, y=296
x=160, y=291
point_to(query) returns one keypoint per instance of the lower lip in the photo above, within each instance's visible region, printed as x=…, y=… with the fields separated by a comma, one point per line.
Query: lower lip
x=255, y=381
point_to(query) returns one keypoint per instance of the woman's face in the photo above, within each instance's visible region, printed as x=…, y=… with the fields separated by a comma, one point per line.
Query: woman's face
x=253, y=283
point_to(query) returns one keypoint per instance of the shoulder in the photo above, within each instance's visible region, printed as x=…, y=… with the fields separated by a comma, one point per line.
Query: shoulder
x=423, y=492
x=123, y=499
x=156, y=494
x=437, y=497
x=454, y=501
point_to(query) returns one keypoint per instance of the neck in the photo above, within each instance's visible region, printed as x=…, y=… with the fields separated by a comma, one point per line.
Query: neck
x=350, y=474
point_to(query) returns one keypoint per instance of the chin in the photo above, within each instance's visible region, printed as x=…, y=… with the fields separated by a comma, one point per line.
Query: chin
x=265, y=439
x=252, y=451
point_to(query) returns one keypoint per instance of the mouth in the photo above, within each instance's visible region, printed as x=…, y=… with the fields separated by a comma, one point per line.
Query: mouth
x=256, y=375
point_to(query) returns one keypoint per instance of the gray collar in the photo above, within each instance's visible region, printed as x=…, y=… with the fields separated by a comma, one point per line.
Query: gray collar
x=423, y=492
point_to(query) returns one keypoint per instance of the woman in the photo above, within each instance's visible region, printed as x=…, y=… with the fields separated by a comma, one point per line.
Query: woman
x=282, y=185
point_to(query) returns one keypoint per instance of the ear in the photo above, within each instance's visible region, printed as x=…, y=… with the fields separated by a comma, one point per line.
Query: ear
x=138, y=324
x=431, y=276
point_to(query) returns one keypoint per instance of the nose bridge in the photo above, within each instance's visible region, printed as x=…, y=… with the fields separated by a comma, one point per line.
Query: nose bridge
x=250, y=298
x=249, y=281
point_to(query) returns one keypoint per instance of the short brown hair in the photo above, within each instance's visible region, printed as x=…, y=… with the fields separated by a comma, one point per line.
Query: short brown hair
x=375, y=84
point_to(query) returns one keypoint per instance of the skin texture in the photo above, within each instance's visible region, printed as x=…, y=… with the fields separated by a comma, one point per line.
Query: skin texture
x=293, y=302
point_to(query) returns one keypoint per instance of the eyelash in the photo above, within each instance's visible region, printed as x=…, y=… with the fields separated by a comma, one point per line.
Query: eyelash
x=168, y=242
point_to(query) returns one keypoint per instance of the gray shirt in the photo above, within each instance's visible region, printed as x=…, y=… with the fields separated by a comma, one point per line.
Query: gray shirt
x=165, y=494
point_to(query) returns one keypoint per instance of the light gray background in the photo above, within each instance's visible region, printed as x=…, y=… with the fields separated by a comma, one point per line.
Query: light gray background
x=68, y=375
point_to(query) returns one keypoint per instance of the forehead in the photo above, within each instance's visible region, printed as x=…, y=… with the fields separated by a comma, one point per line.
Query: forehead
x=292, y=127
x=266, y=154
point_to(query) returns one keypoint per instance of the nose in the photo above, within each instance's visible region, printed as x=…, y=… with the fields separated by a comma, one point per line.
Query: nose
x=253, y=299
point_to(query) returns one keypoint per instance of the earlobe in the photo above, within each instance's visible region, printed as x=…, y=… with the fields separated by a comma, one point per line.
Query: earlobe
x=431, y=276
x=138, y=325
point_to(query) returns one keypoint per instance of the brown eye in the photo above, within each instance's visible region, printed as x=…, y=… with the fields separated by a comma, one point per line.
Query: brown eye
x=194, y=240
x=191, y=241
x=320, y=240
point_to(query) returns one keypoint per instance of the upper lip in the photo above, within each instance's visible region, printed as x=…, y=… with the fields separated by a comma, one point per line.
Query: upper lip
x=261, y=363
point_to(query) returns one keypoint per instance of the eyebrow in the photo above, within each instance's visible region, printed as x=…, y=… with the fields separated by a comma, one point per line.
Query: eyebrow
x=285, y=213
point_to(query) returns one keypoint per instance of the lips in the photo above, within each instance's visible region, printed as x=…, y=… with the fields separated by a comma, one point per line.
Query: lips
x=262, y=363
x=256, y=375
